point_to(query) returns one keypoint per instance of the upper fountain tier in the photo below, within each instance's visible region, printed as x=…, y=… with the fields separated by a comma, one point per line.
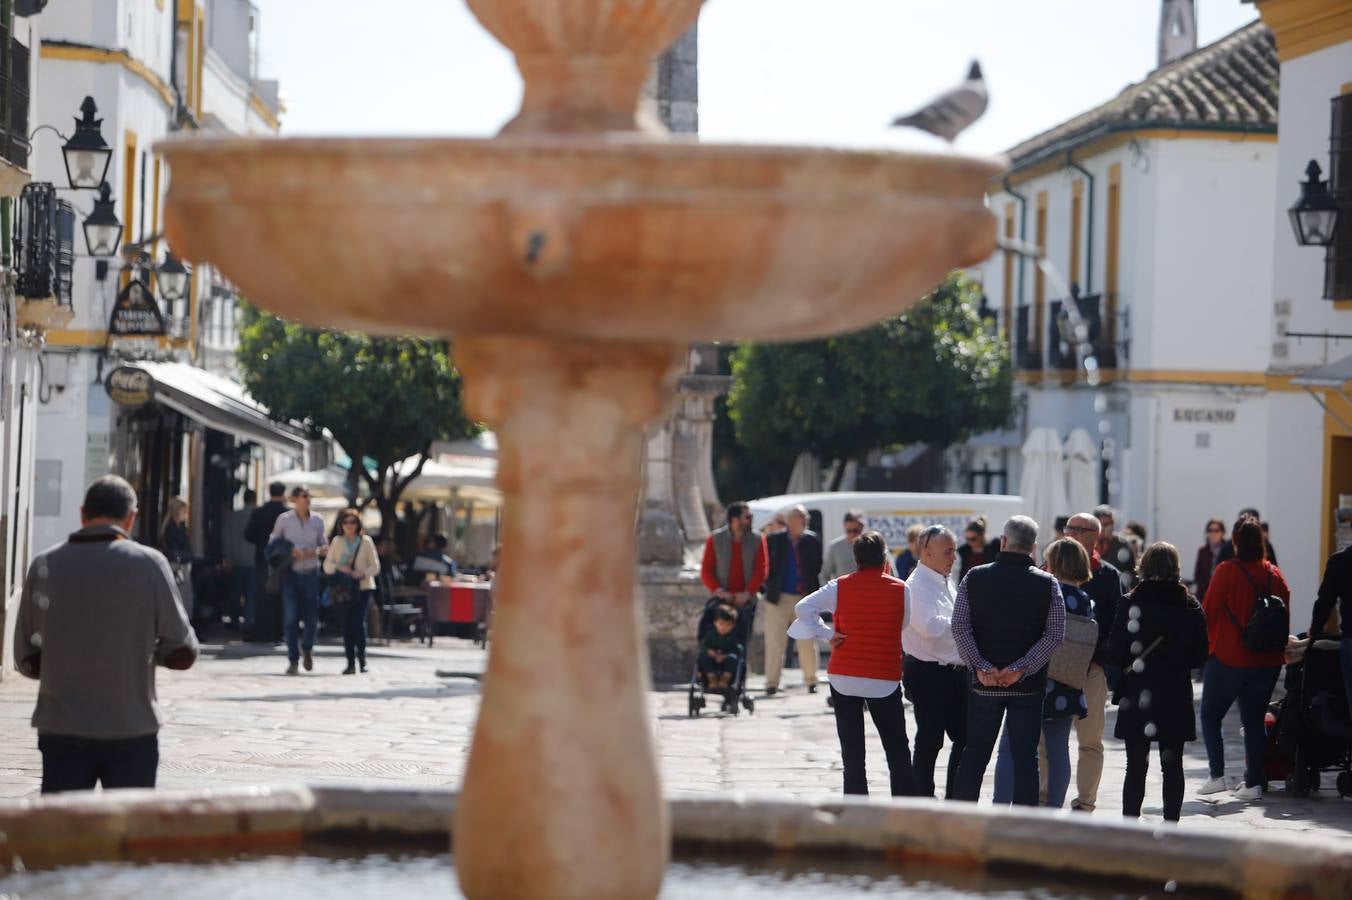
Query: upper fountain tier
x=574, y=224
x=583, y=62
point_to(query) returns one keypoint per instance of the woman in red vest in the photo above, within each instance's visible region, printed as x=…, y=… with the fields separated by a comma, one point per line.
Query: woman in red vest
x=869, y=609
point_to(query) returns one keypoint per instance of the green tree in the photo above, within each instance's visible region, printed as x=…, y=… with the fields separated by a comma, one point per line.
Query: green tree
x=931, y=375
x=383, y=399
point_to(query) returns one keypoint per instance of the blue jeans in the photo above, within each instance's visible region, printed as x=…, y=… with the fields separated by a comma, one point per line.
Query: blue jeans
x=354, y=627
x=242, y=584
x=1056, y=738
x=1022, y=716
x=1222, y=685
x=300, y=600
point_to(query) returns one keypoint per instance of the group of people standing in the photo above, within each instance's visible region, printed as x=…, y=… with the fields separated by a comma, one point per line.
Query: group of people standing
x=974, y=660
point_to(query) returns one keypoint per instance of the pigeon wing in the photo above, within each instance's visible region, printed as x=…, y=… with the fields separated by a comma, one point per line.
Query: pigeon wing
x=951, y=113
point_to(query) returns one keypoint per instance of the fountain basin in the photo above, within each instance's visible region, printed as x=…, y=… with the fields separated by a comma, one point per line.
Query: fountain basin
x=602, y=237
x=932, y=849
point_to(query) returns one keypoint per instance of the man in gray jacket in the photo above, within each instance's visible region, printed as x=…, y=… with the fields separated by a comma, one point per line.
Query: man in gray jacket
x=97, y=614
x=840, y=552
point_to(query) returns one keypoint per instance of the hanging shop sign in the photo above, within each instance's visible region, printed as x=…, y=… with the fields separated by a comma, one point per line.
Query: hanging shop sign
x=135, y=313
x=129, y=386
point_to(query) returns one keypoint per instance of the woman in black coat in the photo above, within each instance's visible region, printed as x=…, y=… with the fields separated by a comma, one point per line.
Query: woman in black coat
x=1158, y=638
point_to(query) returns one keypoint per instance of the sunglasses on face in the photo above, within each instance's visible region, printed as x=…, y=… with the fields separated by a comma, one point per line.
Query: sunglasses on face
x=1214, y=530
x=1080, y=529
x=351, y=522
x=854, y=531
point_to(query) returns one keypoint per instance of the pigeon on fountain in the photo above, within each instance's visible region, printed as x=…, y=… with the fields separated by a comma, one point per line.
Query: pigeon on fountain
x=953, y=111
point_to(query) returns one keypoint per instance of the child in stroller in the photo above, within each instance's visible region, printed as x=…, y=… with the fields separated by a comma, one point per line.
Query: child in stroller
x=719, y=650
x=724, y=633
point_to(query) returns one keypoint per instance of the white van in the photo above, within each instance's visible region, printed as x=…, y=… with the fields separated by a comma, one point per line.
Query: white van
x=892, y=514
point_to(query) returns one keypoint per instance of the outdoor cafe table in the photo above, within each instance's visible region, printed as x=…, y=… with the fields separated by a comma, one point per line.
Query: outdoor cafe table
x=459, y=608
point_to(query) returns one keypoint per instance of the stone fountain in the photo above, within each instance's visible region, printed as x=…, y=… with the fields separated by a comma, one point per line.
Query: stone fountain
x=573, y=260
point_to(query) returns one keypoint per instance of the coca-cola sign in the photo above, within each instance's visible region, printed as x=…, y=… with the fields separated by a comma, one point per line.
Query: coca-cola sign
x=130, y=386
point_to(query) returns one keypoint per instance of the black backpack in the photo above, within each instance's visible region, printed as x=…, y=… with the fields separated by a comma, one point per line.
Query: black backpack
x=1269, y=624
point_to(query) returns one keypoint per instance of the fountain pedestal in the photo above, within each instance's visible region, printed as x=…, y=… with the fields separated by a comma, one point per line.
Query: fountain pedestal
x=562, y=767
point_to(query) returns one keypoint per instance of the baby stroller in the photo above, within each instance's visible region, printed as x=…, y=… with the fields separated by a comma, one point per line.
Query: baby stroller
x=734, y=696
x=1313, y=731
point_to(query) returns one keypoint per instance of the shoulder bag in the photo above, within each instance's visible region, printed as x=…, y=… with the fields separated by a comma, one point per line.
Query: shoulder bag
x=1269, y=624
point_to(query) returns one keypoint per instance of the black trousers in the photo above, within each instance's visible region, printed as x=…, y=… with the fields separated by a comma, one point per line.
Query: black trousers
x=77, y=764
x=938, y=696
x=889, y=718
x=1133, y=785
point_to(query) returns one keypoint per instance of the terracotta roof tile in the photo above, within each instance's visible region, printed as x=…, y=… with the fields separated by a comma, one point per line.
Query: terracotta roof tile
x=1231, y=84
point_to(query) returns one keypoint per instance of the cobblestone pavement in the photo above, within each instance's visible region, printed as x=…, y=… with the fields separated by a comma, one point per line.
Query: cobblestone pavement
x=237, y=719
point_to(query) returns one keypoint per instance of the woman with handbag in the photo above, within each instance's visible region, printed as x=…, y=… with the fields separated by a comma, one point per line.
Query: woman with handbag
x=1236, y=671
x=351, y=567
x=1063, y=703
x=176, y=545
x=1158, y=638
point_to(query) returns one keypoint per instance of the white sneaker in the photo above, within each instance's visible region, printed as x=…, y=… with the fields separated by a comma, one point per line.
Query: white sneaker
x=1212, y=786
x=1253, y=792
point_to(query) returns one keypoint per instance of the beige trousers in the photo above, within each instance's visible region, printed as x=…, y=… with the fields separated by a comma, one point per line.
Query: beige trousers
x=778, y=617
x=1089, y=735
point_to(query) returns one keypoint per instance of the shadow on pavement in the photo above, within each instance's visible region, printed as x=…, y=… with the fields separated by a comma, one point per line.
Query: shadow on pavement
x=428, y=693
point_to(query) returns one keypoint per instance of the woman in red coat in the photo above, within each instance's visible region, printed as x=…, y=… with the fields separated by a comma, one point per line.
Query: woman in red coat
x=1233, y=672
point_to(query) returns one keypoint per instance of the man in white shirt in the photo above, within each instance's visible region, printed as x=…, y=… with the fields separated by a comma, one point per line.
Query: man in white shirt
x=934, y=675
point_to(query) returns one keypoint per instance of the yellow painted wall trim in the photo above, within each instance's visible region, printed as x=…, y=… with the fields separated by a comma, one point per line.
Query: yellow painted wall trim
x=1121, y=139
x=130, y=159
x=1280, y=384
x=269, y=117
x=81, y=337
x=1302, y=27
x=111, y=57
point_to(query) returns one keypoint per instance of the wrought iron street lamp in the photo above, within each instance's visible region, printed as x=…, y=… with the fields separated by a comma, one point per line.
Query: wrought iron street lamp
x=87, y=153
x=173, y=279
x=103, y=231
x=1315, y=215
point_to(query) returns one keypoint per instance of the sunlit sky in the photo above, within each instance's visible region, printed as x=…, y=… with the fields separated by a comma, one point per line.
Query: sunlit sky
x=773, y=71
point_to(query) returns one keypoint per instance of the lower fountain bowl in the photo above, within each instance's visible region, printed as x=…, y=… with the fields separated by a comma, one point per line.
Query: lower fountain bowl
x=577, y=237
x=393, y=842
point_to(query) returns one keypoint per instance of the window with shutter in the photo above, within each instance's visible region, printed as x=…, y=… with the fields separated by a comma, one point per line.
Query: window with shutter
x=1338, y=261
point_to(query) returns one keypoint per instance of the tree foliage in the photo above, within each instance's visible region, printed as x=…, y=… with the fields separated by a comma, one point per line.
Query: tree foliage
x=383, y=399
x=931, y=375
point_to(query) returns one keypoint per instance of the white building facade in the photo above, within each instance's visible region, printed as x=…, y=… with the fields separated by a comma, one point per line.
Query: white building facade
x=1309, y=437
x=25, y=322
x=153, y=68
x=1156, y=209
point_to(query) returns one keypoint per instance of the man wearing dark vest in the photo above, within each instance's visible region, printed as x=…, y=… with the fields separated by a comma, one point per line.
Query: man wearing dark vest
x=1008, y=619
x=869, y=610
x=795, y=564
x=735, y=563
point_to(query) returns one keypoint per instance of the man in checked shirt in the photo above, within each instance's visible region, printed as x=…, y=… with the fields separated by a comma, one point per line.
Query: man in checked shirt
x=1008, y=619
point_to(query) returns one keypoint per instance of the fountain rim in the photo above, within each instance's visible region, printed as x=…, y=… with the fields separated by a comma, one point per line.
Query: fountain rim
x=632, y=145
x=76, y=829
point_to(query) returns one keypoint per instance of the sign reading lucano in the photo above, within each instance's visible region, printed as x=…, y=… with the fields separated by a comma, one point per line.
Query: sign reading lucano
x=1205, y=416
